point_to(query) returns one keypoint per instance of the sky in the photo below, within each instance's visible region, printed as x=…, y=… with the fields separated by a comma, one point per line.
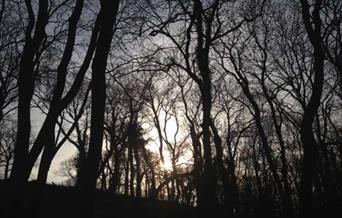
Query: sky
x=68, y=150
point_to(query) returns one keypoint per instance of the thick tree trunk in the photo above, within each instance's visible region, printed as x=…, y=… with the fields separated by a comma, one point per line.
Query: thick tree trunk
x=313, y=27
x=19, y=172
x=49, y=143
x=207, y=198
x=58, y=104
x=229, y=203
x=107, y=15
x=198, y=162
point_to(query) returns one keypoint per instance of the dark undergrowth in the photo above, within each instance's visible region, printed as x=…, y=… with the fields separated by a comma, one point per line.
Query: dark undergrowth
x=54, y=201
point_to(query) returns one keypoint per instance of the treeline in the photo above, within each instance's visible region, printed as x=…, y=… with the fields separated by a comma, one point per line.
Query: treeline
x=230, y=106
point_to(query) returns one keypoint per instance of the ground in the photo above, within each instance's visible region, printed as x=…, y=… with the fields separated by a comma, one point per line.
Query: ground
x=60, y=201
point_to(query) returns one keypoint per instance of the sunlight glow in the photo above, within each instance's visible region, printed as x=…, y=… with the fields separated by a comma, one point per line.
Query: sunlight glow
x=166, y=166
x=170, y=134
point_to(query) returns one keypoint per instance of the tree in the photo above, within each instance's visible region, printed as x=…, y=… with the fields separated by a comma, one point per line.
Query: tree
x=11, y=39
x=7, y=141
x=27, y=155
x=232, y=107
x=98, y=90
x=313, y=25
x=26, y=86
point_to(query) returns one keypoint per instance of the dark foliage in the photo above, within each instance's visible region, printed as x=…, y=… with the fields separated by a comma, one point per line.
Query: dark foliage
x=61, y=201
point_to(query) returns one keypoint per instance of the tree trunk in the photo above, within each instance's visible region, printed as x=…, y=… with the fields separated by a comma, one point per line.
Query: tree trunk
x=310, y=148
x=229, y=202
x=49, y=138
x=286, y=194
x=116, y=173
x=7, y=166
x=58, y=104
x=207, y=199
x=131, y=169
x=80, y=163
x=107, y=15
x=138, y=172
x=261, y=132
x=20, y=172
x=198, y=165
x=126, y=175
x=107, y=19
x=152, y=190
x=46, y=160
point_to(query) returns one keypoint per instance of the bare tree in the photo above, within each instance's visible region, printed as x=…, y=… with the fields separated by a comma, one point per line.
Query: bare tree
x=7, y=140
x=313, y=26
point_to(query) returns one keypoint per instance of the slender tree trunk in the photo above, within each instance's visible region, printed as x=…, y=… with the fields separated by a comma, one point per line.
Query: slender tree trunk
x=233, y=182
x=256, y=167
x=103, y=180
x=7, y=166
x=132, y=143
x=158, y=127
x=131, y=168
x=325, y=161
x=126, y=175
x=138, y=172
x=116, y=173
x=152, y=191
x=46, y=160
x=264, y=141
x=80, y=163
x=286, y=195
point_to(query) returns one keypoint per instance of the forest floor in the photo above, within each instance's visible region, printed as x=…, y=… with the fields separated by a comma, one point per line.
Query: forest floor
x=60, y=201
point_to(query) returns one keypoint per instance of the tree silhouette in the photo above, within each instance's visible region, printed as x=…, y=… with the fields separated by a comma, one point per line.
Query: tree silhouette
x=177, y=108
